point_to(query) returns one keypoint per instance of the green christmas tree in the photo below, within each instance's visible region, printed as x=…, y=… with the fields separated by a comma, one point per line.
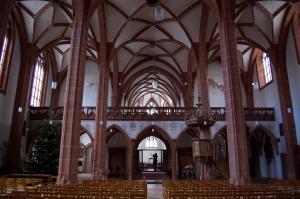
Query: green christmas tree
x=44, y=154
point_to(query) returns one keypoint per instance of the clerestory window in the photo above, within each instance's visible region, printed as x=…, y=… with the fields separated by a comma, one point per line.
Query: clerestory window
x=264, y=70
x=38, y=82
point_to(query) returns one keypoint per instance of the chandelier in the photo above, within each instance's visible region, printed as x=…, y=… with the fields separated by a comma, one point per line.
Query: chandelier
x=200, y=117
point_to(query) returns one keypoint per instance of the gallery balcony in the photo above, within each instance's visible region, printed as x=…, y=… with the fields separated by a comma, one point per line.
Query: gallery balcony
x=152, y=114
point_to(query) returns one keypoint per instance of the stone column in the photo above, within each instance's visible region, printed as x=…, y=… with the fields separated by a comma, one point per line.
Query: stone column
x=70, y=138
x=190, y=82
x=5, y=8
x=133, y=160
x=28, y=58
x=130, y=165
x=203, y=91
x=203, y=59
x=99, y=170
x=236, y=132
x=115, y=85
x=288, y=122
x=174, y=162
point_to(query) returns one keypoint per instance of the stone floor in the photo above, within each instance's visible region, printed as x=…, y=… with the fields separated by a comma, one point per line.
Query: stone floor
x=155, y=191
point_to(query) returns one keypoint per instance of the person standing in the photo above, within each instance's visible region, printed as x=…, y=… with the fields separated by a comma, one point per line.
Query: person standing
x=154, y=161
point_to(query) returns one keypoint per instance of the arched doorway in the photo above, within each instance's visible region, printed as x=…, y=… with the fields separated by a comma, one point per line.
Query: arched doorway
x=186, y=164
x=85, y=151
x=152, y=155
x=262, y=146
x=118, y=148
x=152, y=140
x=220, y=154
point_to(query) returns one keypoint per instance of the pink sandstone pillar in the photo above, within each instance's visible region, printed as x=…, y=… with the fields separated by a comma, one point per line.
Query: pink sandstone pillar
x=99, y=167
x=70, y=138
x=288, y=122
x=130, y=154
x=115, y=85
x=28, y=58
x=235, y=121
x=190, y=83
x=203, y=84
x=174, y=162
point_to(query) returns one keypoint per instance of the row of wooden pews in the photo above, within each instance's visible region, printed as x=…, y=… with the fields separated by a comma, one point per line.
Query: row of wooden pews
x=84, y=190
x=282, y=189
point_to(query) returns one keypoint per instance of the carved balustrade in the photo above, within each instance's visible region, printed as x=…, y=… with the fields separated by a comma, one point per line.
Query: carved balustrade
x=157, y=113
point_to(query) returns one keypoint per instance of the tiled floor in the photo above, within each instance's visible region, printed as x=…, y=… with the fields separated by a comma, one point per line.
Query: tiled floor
x=155, y=191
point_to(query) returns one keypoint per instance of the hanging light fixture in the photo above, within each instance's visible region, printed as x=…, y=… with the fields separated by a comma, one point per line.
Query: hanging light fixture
x=158, y=13
x=154, y=84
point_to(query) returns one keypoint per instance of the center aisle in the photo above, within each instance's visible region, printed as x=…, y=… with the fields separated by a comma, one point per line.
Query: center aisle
x=154, y=190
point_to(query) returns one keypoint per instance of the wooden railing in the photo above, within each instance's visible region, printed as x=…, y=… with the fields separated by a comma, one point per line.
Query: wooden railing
x=144, y=113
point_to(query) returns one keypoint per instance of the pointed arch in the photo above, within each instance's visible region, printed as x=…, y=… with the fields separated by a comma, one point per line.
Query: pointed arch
x=186, y=130
x=221, y=131
x=158, y=132
x=263, y=129
x=120, y=130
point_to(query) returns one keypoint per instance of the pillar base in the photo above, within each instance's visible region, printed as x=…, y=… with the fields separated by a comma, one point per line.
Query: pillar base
x=205, y=171
x=66, y=179
x=239, y=181
x=101, y=174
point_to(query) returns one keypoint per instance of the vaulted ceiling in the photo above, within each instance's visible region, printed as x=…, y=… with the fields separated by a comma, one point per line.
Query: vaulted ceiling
x=147, y=49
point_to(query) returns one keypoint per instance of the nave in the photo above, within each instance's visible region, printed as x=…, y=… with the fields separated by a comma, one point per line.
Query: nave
x=97, y=97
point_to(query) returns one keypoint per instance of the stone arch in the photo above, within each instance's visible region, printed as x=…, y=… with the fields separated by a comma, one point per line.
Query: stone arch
x=122, y=131
x=185, y=131
x=86, y=154
x=262, y=147
x=273, y=139
x=159, y=132
x=87, y=164
x=83, y=130
x=122, y=154
x=184, y=151
x=221, y=131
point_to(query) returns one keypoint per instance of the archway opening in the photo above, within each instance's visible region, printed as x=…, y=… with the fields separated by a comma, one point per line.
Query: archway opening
x=118, y=152
x=187, y=167
x=152, y=155
x=85, y=152
x=220, y=155
x=261, y=155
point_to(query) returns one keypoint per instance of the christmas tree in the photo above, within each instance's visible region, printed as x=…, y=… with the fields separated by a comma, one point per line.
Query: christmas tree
x=44, y=154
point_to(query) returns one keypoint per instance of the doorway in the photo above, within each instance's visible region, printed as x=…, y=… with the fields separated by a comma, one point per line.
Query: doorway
x=152, y=155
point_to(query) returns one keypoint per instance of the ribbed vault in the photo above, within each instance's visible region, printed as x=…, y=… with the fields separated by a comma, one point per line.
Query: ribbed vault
x=148, y=47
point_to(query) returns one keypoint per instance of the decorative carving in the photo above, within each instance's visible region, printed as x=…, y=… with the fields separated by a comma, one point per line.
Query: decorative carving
x=215, y=84
x=163, y=113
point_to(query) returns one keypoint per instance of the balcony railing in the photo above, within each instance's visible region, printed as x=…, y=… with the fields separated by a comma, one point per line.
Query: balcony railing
x=145, y=113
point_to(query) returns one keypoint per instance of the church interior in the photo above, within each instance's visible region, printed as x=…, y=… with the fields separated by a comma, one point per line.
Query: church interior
x=172, y=98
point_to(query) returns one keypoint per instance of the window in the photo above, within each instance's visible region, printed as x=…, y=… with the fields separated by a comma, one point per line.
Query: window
x=5, y=58
x=38, y=82
x=264, y=70
x=3, y=53
x=151, y=142
x=267, y=68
